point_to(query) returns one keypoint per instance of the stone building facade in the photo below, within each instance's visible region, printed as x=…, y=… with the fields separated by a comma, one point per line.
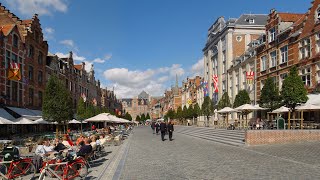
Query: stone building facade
x=136, y=106
x=226, y=41
x=189, y=91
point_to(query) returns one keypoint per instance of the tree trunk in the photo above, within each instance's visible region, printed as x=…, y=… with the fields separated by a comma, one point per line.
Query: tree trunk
x=57, y=130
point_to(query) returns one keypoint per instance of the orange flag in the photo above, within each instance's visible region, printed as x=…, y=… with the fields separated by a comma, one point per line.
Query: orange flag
x=14, y=72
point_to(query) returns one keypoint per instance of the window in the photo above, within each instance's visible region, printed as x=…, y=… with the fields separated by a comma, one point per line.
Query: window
x=15, y=40
x=262, y=84
x=14, y=58
x=263, y=65
x=273, y=59
x=40, y=98
x=40, y=77
x=30, y=96
x=272, y=34
x=304, y=49
x=318, y=42
x=14, y=95
x=317, y=15
x=223, y=67
x=251, y=21
x=306, y=76
x=30, y=72
x=40, y=58
x=224, y=86
x=284, y=54
x=31, y=51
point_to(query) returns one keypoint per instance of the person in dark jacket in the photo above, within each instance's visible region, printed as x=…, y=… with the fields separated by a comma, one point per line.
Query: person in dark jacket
x=153, y=124
x=170, y=130
x=163, y=129
x=157, y=127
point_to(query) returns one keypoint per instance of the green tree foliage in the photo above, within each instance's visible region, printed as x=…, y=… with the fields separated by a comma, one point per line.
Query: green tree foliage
x=293, y=91
x=143, y=117
x=81, y=109
x=170, y=114
x=196, y=110
x=90, y=111
x=138, y=118
x=127, y=116
x=185, y=112
x=241, y=98
x=270, y=97
x=207, y=107
x=224, y=101
x=148, y=116
x=190, y=112
x=179, y=114
x=57, y=102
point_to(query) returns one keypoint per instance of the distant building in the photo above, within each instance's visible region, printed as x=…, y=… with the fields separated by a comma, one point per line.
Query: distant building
x=136, y=106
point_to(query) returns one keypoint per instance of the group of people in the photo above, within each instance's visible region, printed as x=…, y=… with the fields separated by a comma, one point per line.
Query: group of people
x=163, y=128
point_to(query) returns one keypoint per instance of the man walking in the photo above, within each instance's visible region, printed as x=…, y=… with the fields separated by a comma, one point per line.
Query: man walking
x=170, y=130
x=153, y=124
x=163, y=129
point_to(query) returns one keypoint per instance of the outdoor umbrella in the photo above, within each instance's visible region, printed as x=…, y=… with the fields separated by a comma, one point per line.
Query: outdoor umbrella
x=73, y=121
x=23, y=120
x=41, y=121
x=246, y=108
x=5, y=121
x=226, y=110
x=282, y=109
x=308, y=108
x=103, y=117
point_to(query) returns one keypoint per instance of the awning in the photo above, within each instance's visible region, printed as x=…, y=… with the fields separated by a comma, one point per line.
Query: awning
x=314, y=99
x=23, y=120
x=5, y=121
x=27, y=113
x=5, y=115
x=103, y=117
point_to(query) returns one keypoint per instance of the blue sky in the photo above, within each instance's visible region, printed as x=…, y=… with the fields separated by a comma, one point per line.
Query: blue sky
x=138, y=45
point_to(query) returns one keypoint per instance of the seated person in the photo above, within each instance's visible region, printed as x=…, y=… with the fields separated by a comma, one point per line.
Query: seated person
x=81, y=138
x=102, y=140
x=59, y=146
x=85, y=147
x=93, y=143
x=66, y=142
x=44, y=148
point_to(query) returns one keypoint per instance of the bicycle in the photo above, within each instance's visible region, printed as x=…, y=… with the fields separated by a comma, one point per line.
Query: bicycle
x=18, y=168
x=64, y=169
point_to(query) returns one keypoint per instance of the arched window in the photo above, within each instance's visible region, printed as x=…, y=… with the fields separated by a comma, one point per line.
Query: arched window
x=317, y=14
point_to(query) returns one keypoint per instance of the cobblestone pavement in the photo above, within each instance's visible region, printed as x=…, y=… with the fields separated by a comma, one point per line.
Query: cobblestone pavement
x=192, y=158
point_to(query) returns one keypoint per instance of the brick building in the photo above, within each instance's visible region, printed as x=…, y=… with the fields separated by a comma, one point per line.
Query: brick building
x=189, y=91
x=136, y=106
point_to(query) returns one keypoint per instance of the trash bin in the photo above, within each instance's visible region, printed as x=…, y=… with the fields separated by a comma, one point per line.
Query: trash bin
x=280, y=123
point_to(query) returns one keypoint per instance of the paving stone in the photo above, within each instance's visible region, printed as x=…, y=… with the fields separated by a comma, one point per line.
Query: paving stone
x=187, y=157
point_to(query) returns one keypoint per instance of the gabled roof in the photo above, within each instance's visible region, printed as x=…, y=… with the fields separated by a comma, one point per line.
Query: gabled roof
x=27, y=22
x=290, y=17
x=78, y=67
x=6, y=29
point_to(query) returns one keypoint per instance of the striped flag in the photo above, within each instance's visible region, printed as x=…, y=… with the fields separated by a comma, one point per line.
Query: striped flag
x=215, y=83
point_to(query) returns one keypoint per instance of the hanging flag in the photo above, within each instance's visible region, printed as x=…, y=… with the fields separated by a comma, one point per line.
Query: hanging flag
x=94, y=101
x=250, y=77
x=14, y=72
x=215, y=83
x=205, y=88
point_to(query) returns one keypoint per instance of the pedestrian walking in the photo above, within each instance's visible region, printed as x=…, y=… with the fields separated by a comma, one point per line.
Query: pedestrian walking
x=153, y=124
x=163, y=129
x=157, y=127
x=170, y=130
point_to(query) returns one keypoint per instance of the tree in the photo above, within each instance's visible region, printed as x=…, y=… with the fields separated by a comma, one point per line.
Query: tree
x=207, y=108
x=143, y=117
x=57, y=102
x=138, y=118
x=293, y=91
x=170, y=114
x=224, y=101
x=90, y=112
x=127, y=116
x=190, y=112
x=196, y=110
x=241, y=98
x=185, y=112
x=270, y=97
x=179, y=114
x=81, y=109
x=148, y=116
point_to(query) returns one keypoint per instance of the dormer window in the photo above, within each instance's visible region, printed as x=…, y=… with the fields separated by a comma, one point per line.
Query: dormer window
x=251, y=21
x=272, y=34
x=318, y=14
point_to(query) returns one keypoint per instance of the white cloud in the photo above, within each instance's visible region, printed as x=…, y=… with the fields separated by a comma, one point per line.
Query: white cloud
x=68, y=43
x=41, y=7
x=48, y=33
x=130, y=83
x=99, y=60
x=107, y=56
x=198, y=68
